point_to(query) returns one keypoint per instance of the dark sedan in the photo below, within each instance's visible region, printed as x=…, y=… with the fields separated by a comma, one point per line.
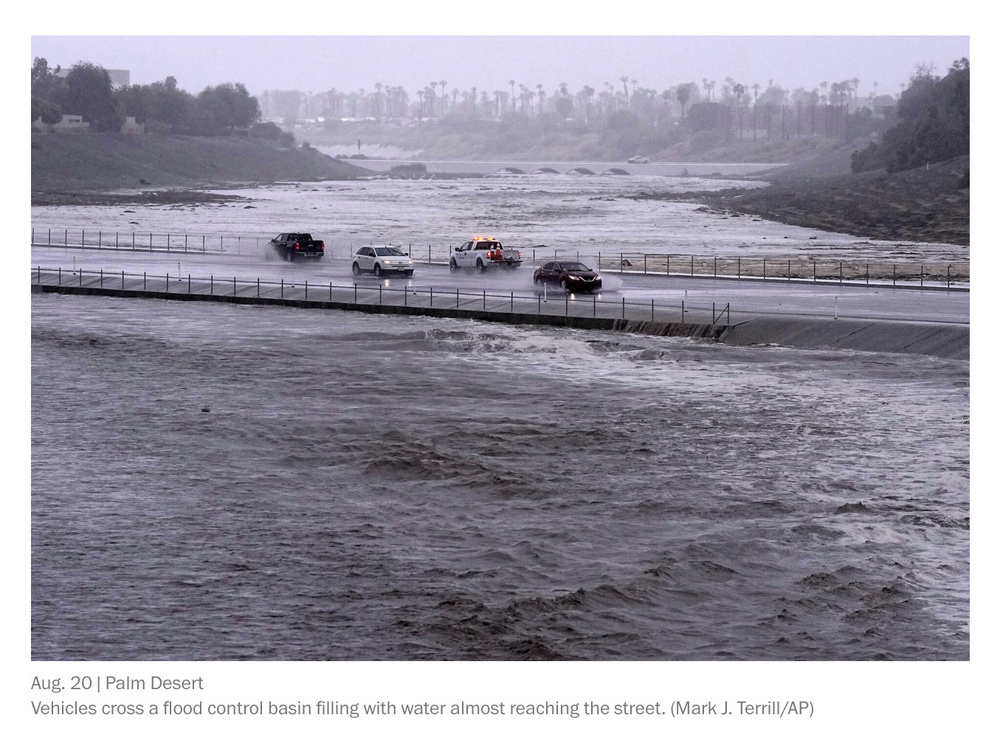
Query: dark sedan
x=569, y=276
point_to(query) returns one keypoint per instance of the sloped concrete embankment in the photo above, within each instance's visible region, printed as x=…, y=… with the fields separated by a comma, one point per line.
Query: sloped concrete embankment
x=938, y=340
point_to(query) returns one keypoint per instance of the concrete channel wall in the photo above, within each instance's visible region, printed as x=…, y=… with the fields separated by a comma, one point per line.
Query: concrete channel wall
x=940, y=340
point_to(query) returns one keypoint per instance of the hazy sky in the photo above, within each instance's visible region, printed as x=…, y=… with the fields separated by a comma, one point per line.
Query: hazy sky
x=349, y=63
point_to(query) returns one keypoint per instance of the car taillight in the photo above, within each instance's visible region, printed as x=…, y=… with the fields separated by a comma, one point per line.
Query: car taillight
x=322, y=246
x=296, y=245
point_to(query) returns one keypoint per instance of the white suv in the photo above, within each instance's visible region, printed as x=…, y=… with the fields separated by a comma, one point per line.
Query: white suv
x=381, y=260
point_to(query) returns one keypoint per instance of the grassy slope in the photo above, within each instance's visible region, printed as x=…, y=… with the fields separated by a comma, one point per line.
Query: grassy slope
x=77, y=162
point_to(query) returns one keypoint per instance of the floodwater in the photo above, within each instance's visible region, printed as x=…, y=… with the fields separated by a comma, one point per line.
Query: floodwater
x=219, y=482
x=572, y=214
x=224, y=482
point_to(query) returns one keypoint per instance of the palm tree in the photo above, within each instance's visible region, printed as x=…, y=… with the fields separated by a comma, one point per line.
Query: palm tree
x=683, y=95
x=739, y=90
x=444, y=105
x=512, y=104
x=588, y=93
x=624, y=80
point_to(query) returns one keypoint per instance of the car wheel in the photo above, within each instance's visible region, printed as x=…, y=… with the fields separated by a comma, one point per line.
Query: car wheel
x=479, y=265
x=377, y=270
x=291, y=255
x=453, y=264
x=356, y=269
x=409, y=273
x=563, y=285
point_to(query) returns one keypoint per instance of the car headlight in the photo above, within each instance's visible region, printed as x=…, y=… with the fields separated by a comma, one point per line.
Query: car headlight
x=573, y=278
x=597, y=278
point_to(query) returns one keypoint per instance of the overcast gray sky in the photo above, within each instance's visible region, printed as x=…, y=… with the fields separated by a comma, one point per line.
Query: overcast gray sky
x=349, y=63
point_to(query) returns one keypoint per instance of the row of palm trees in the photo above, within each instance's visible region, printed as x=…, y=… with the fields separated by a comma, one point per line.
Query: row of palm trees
x=435, y=100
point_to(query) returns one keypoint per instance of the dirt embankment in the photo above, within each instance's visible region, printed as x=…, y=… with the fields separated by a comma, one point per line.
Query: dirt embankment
x=69, y=168
x=928, y=204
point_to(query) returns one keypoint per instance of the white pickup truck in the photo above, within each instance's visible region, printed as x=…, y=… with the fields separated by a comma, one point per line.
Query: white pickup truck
x=484, y=254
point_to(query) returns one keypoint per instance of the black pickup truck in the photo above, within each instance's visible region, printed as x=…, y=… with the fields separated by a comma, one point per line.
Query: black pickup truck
x=290, y=246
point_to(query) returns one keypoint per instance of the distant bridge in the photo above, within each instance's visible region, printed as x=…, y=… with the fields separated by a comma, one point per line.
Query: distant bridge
x=656, y=169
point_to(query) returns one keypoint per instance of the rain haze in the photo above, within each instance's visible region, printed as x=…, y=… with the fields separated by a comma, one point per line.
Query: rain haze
x=881, y=64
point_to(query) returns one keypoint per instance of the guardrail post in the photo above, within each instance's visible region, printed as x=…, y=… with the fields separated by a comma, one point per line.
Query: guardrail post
x=652, y=310
x=258, y=287
x=739, y=272
x=692, y=266
x=715, y=267
x=189, y=283
x=765, y=269
x=668, y=264
x=866, y=273
x=621, y=262
x=143, y=280
x=949, y=276
x=234, y=286
x=211, y=285
x=307, y=291
x=484, y=299
x=567, y=304
x=511, y=302
x=841, y=272
x=59, y=279
x=432, y=296
x=921, y=275
x=894, y=274
x=789, y=276
x=102, y=278
x=598, y=259
x=98, y=238
x=123, y=280
x=282, y=288
x=644, y=257
x=682, y=311
x=331, y=291
x=814, y=270
x=355, y=293
x=168, y=242
x=167, y=288
x=623, y=307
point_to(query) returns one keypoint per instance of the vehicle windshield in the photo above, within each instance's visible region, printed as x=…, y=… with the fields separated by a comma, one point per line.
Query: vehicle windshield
x=574, y=266
x=388, y=252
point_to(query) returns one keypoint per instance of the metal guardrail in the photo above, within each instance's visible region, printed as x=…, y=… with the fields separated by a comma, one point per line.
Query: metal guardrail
x=940, y=274
x=406, y=295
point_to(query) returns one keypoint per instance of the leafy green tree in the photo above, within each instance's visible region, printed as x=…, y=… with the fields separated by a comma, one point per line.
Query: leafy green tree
x=933, y=124
x=89, y=94
x=45, y=83
x=226, y=109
